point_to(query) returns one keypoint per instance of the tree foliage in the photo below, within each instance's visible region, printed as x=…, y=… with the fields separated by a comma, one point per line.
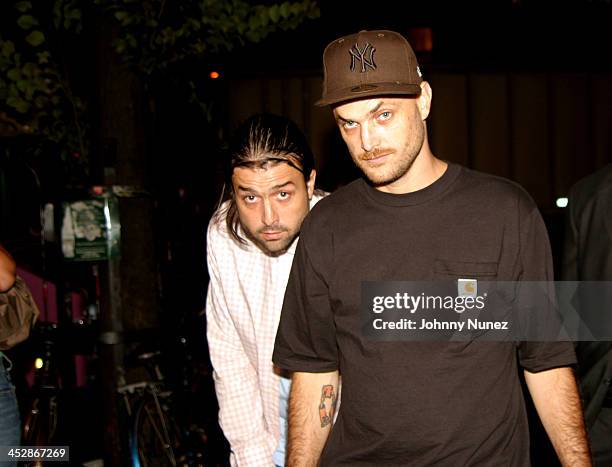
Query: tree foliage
x=35, y=94
x=155, y=37
x=155, y=34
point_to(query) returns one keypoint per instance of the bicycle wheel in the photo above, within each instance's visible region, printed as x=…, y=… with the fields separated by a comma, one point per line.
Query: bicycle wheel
x=155, y=437
x=40, y=424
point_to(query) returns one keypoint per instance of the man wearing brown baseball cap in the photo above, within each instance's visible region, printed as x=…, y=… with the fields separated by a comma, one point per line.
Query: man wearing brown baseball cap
x=412, y=217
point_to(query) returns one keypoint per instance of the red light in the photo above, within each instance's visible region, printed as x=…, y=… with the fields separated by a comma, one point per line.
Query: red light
x=97, y=190
x=214, y=75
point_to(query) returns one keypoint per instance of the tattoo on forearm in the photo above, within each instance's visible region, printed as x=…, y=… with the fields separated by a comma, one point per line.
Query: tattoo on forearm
x=327, y=405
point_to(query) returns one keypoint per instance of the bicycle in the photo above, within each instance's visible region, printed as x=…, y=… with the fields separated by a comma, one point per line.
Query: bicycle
x=155, y=435
x=40, y=420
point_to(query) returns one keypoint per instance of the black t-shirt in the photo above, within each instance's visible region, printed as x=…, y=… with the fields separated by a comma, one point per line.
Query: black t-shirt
x=417, y=403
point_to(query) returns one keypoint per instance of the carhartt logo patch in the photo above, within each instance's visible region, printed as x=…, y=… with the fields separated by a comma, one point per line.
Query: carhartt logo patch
x=467, y=287
x=364, y=55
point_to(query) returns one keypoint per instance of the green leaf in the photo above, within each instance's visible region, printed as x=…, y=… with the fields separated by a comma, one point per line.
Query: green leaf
x=13, y=91
x=274, y=13
x=131, y=40
x=42, y=86
x=14, y=74
x=23, y=6
x=254, y=22
x=70, y=11
x=120, y=46
x=284, y=9
x=297, y=8
x=264, y=18
x=43, y=57
x=8, y=48
x=29, y=92
x=121, y=16
x=57, y=13
x=35, y=38
x=27, y=87
x=18, y=104
x=314, y=13
x=27, y=21
x=22, y=85
x=29, y=69
x=253, y=36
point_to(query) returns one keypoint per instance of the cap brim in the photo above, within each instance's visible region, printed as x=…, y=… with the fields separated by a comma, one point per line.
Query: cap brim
x=369, y=90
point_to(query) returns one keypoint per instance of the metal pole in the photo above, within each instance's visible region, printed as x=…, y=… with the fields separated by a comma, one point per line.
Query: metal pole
x=111, y=358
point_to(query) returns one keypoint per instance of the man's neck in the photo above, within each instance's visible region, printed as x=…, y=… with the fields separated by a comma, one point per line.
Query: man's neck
x=425, y=170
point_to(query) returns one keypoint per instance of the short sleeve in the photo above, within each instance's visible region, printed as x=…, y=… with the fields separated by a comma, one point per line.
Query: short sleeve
x=536, y=265
x=306, y=336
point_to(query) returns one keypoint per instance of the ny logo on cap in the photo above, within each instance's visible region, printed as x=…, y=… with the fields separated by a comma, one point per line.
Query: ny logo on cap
x=359, y=55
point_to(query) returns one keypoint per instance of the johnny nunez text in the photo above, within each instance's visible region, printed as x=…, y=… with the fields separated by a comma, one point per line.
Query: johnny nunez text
x=434, y=324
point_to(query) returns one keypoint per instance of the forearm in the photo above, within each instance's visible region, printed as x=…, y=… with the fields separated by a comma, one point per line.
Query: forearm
x=243, y=423
x=7, y=270
x=312, y=405
x=557, y=401
x=241, y=412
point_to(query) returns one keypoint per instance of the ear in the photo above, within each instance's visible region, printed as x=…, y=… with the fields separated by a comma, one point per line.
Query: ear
x=310, y=184
x=424, y=101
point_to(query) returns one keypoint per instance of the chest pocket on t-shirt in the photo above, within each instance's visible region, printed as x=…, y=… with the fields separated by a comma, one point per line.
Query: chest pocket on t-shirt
x=497, y=305
x=447, y=269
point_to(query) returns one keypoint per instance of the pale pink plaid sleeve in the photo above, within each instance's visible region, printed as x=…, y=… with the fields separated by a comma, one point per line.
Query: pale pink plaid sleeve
x=240, y=401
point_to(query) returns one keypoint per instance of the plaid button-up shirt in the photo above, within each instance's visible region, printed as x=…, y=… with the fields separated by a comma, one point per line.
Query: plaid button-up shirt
x=245, y=297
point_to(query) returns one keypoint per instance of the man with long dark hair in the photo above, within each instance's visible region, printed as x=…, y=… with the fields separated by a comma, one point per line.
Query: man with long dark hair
x=270, y=186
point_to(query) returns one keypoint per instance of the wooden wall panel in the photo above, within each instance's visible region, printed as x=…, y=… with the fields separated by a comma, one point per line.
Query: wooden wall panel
x=272, y=96
x=601, y=121
x=530, y=134
x=542, y=130
x=295, y=103
x=245, y=98
x=569, y=119
x=334, y=164
x=489, y=124
x=448, y=119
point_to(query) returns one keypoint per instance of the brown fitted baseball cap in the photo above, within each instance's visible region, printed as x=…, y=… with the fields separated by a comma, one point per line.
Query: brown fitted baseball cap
x=369, y=63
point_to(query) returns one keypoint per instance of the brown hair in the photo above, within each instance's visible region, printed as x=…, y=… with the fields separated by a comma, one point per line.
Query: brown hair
x=262, y=141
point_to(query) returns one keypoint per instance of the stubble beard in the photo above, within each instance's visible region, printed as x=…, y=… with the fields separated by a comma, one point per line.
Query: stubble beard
x=394, y=169
x=271, y=248
x=274, y=248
